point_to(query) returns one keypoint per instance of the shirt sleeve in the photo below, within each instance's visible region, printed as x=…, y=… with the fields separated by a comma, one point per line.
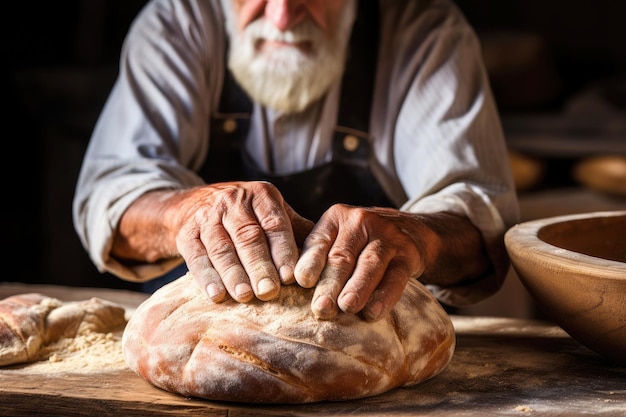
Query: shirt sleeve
x=152, y=131
x=448, y=147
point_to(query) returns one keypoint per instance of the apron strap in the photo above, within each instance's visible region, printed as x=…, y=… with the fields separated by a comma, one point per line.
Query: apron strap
x=357, y=85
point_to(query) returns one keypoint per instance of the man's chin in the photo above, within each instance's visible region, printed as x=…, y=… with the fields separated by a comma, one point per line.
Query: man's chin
x=278, y=94
x=287, y=86
x=281, y=47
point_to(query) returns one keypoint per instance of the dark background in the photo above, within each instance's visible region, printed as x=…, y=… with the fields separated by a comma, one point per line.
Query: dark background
x=61, y=60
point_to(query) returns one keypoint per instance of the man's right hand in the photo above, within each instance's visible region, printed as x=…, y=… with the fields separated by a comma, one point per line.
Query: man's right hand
x=239, y=238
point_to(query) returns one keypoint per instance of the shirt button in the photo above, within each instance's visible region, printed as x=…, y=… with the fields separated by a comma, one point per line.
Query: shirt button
x=350, y=143
x=229, y=125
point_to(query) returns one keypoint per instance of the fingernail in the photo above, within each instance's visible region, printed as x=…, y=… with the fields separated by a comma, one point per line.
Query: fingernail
x=213, y=291
x=243, y=290
x=265, y=286
x=324, y=307
x=286, y=274
x=350, y=299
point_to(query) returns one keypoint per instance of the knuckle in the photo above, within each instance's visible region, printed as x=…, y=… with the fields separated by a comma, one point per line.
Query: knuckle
x=264, y=192
x=318, y=239
x=264, y=186
x=341, y=257
x=229, y=198
x=248, y=233
x=346, y=213
x=272, y=223
x=220, y=249
x=373, y=259
x=197, y=262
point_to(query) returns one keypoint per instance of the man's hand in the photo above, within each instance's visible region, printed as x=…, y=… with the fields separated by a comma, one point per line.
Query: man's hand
x=245, y=231
x=361, y=258
x=236, y=237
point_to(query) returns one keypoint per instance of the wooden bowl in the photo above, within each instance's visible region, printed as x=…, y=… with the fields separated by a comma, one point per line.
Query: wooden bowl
x=574, y=266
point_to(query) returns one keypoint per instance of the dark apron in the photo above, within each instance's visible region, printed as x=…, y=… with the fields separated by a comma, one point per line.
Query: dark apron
x=347, y=178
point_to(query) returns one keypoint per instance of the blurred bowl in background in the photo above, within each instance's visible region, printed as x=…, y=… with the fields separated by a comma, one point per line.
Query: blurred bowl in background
x=603, y=173
x=574, y=267
x=528, y=171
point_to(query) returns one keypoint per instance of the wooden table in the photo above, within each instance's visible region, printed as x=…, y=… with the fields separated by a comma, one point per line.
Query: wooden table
x=502, y=367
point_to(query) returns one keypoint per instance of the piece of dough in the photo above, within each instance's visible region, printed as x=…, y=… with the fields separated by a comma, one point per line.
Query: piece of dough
x=30, y=322
x=278, y=351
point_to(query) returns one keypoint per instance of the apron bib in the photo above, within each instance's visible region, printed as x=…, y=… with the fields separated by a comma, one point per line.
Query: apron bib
x=347, y=178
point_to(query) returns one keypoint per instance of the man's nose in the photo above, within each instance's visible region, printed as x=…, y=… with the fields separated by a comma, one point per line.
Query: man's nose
x=285, y=14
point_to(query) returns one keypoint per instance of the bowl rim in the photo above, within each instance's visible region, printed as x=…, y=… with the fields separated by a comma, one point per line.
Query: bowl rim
x=524, y=236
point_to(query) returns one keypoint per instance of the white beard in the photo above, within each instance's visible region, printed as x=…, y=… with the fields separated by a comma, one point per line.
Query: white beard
x=286, y=78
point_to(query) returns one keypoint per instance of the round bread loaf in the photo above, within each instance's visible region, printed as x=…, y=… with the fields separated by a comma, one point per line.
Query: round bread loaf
x=278, y=351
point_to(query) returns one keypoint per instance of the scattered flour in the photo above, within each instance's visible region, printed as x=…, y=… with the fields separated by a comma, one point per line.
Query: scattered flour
x=88, y=352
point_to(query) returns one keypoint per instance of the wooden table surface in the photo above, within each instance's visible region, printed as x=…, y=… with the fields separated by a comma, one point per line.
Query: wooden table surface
x=501, y=367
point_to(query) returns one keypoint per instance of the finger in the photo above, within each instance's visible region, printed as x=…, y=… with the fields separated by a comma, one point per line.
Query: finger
x=370, y=268
x=205, y=276
x=281, y=240
x=339, y=267
x=388, y=292
x=246, y=252
x=223, y=256
x=315, y=253
x=324, y=302
x=300, y=229
x=209, y=281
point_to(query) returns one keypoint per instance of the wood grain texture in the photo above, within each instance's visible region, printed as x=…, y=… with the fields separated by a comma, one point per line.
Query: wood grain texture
x=501, y=367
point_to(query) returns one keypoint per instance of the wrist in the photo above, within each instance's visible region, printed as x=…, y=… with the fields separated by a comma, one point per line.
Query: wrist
x=146, y=232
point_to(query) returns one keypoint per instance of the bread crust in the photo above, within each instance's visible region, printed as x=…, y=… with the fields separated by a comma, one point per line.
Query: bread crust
x=278, y=351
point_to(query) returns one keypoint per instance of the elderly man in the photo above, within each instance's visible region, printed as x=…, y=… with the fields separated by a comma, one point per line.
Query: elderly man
x=338, y=144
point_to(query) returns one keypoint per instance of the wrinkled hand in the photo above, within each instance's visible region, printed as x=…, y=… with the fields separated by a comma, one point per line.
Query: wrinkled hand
x=361, y=259
x=239, y=237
